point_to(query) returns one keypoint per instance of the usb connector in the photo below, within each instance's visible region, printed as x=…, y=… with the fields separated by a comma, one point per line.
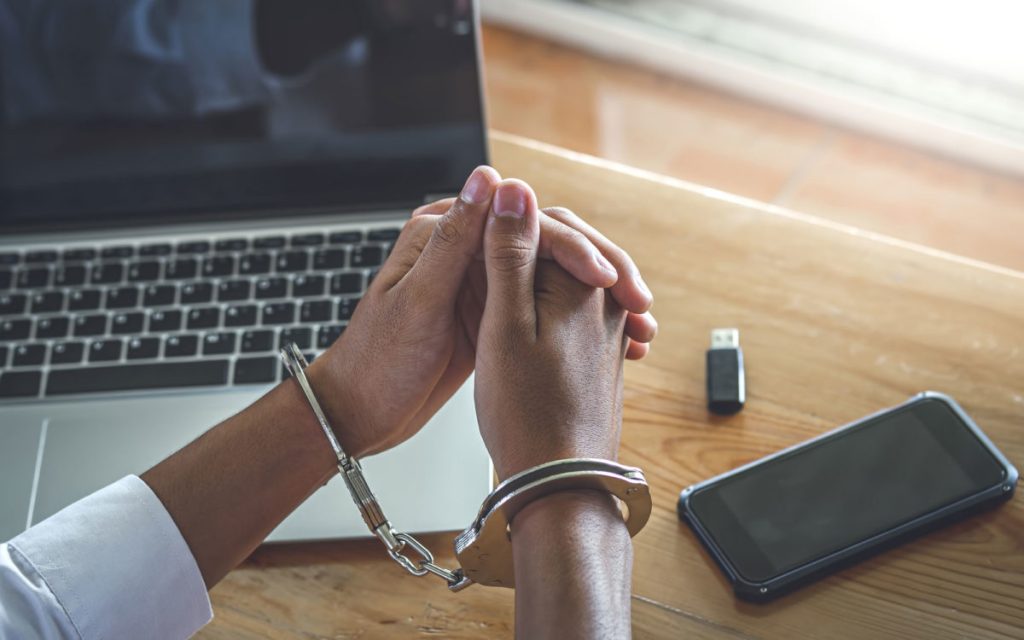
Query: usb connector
x=725, y=375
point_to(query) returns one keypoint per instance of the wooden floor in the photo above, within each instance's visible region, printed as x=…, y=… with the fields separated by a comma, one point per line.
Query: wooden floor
x=568, y=98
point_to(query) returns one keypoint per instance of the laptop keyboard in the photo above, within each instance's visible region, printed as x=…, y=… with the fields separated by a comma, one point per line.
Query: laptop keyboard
x=197, y=313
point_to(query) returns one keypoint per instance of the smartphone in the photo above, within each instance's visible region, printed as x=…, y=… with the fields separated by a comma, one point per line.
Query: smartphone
x=794, y=516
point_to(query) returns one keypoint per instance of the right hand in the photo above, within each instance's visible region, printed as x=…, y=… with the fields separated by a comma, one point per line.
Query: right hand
x=550, y=351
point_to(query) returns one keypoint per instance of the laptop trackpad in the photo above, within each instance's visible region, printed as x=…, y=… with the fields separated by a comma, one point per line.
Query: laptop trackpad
x=90, y=444
x=19, y=450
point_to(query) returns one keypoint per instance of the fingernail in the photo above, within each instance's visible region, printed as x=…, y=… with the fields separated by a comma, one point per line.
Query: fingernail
x=477, y=189
x=643, y=287
x=604, y=264
x=510, y=202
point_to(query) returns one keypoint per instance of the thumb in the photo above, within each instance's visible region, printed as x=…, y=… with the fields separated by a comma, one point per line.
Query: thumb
x=511, y=240
x=456, y=238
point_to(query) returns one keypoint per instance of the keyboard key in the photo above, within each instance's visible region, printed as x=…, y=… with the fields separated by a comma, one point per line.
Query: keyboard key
x=124, y=323
x=196, y=293
x=218, y=343
x=29, y=355
x=52, y=327
x=179, y=346
x=158, y=295
x=203, y=318
x=164, y=320
x=104, y=350
x=346, y=307
x=128, y=377
x=308, y=240
x=302, y=336
x=47, y=302
x=390, y=233
x=69, y=276
x=10, y=258
x=305, y=286
x=367, y=256
x=256, y=370
x=254, y=264
x=257, y=340
x=271, y=288
x=181, y=269
x=143, y=271
x=152, y=250
x=278, y=313
x=20, y=384
x=107, y=273
x=33, y=278
x=230, y=290
x=218, y=266
x=241, y=316
x=315, y=311
x=231, y=244
x=6, y=279
x=3, y=356
x=194, y=246
x=326, y=336
x=290, y=261
x=94, y=325
x=120, y=251
x=13, y=304
x=41, y=255
x=67, y=353
x=84, y=300
x=141, y=348
x=268, y=242
x=329, y=259
x=122, y=298
x=15, y=329
x=81, y=253
x=342, y=283
x=346, y=237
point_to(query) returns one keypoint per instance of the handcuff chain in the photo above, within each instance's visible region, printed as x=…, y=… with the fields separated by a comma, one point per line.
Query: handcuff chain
x=352, y=473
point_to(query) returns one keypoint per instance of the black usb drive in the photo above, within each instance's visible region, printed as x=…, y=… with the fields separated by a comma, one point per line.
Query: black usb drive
x=726, y=383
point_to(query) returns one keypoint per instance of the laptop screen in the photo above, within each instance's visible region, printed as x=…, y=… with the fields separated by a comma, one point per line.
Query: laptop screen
x=131, y=112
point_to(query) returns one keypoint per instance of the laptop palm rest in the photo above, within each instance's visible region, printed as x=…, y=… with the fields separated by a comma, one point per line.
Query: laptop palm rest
x=429, y=483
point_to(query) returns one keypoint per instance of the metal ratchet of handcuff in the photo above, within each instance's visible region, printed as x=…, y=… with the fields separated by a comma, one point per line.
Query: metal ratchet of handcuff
x=484, y=549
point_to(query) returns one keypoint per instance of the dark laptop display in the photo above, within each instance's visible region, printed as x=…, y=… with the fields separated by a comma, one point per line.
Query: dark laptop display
x=137, y=112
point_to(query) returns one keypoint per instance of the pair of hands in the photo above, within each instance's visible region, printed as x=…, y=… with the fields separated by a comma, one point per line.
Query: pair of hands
x=488, y=281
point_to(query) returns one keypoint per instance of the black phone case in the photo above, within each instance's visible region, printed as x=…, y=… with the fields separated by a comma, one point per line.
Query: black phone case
x=786, y=582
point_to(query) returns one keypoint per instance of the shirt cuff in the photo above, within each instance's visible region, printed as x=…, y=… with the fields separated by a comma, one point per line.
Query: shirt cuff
x=118, y=565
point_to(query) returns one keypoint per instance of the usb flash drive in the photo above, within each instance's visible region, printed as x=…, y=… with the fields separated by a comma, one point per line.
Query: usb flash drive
x=726, y=384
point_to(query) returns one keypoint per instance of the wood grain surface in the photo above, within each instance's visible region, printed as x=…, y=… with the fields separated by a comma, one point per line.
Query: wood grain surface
x=835, y=324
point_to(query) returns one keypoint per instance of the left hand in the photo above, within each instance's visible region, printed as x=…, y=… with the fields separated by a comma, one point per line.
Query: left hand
x=411, y=342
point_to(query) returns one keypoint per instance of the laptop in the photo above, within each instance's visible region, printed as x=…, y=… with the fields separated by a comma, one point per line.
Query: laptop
x=184, y=188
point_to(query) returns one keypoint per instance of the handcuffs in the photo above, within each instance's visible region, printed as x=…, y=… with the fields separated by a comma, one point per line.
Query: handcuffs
x=484, y=549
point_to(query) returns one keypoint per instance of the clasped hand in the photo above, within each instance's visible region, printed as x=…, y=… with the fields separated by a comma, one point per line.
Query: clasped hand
x=539, y=303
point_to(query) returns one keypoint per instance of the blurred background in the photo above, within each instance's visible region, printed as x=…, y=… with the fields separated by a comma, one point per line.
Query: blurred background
x=904, y=117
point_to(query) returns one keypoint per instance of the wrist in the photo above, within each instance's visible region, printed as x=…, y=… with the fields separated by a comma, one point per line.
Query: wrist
x=340, y=404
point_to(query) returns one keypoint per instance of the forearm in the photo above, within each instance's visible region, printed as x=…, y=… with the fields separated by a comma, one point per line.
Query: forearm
x=573, y=560
x=229, y=488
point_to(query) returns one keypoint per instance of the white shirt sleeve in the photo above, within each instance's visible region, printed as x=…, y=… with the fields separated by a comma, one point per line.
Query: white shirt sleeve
x=112, y=565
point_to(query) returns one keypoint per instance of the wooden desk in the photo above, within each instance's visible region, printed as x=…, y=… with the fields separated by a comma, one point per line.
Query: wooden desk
x=835, y=324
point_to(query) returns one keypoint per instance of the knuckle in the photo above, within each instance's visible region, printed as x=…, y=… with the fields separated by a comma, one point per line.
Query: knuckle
x=448, y=230
x=510, y=256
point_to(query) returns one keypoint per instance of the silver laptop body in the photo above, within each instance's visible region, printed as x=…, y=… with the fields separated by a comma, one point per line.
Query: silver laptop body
x=146, y=284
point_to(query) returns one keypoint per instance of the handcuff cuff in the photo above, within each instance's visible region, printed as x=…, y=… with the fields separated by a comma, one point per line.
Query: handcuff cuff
x=484, y=548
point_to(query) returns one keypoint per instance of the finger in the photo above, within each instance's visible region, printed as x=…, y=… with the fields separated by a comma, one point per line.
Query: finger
x=637, y=350
x=641, y=327
x=457, y=237
x=436, y=208
x=630, y=290
x=407, y=250
x=511, y=239
x=575, y=253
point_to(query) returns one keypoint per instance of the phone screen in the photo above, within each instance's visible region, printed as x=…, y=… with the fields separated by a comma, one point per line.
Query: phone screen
x=831, y=494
